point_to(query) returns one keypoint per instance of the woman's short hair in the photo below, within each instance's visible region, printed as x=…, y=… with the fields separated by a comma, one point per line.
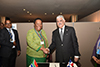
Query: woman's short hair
x=37, y=19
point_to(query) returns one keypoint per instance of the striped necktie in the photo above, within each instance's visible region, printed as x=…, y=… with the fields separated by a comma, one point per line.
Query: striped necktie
x=10, y=35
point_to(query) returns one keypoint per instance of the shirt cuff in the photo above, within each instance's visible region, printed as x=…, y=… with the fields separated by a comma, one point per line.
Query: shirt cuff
x=76, y=56
x=49, y=51
x=13, y=46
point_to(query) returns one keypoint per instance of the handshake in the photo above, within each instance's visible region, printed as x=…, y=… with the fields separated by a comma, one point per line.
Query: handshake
x=45, y=50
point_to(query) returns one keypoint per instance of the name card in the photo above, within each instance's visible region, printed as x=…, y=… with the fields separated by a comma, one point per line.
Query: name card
x=54, y=65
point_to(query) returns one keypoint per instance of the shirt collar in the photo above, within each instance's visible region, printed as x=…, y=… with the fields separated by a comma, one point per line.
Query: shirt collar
x=8, y=29
x=62, y=28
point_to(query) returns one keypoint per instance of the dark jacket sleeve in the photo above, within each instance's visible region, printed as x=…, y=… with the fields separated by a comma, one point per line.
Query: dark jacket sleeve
x=75, y=43
x=17, y=41
x=52, y=45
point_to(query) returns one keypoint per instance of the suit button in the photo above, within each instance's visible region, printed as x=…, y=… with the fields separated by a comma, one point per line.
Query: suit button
x=61, y=44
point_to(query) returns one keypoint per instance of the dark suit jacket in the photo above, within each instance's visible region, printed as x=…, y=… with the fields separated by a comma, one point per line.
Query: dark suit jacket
x=6, y=45
x=69, y=47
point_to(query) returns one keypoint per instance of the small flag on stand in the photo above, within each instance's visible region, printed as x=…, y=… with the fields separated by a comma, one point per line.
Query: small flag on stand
x=70, y=63
x=34, y=64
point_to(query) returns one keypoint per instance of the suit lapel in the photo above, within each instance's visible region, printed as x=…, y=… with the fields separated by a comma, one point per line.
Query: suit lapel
x=58, y=33
x=65, y=32
x=7, y=31
x=14, y=31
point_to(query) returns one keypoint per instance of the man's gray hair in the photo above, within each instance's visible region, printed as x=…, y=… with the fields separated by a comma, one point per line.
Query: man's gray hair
x=60, y=16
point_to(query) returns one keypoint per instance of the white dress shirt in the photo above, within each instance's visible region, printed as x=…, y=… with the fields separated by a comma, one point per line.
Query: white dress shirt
x=62, y=29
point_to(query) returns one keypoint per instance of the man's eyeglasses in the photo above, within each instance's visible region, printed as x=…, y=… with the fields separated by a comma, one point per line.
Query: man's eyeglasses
x=8, y=23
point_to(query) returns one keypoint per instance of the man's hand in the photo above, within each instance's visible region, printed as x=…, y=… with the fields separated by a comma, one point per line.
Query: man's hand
x=14, y=43
x=45, y=50
x=94, y=58
x=98, y=61
x=48, y=50
x=75, y=59
x=18, y=53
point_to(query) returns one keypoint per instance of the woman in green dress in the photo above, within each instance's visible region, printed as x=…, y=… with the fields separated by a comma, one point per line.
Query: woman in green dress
x=36, y=43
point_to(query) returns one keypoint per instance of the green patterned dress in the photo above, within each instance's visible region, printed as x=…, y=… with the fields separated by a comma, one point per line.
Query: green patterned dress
x=34, y=45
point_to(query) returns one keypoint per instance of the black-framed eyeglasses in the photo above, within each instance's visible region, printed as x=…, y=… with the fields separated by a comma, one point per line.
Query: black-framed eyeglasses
x=7, y=23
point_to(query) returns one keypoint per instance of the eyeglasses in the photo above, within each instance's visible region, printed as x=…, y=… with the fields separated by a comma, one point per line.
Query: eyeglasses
x=8, y=23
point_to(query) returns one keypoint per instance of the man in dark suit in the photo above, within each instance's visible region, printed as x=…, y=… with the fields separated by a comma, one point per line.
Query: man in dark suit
x=10, y=46
x=64, y=40
x=1, y=27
